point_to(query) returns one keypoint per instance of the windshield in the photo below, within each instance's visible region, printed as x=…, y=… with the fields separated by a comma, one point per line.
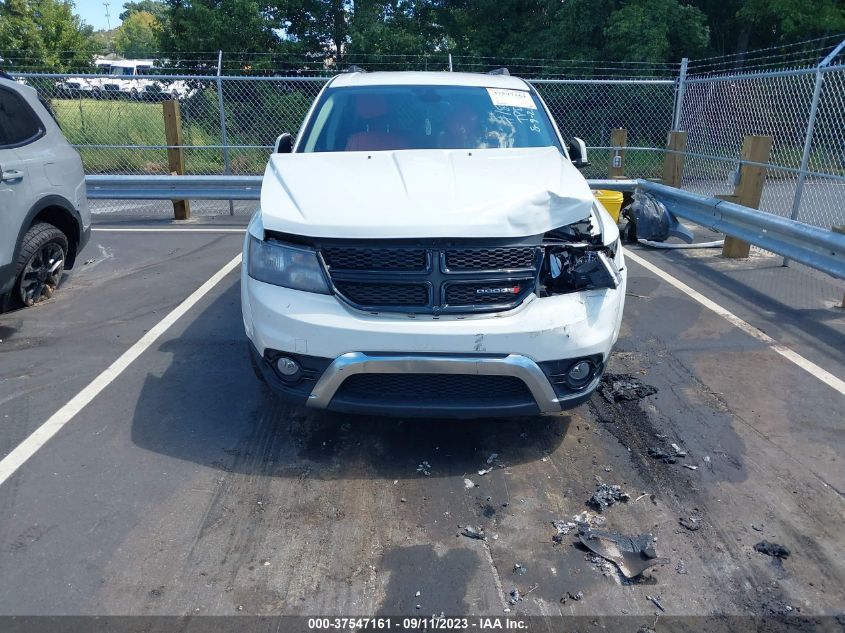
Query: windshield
x=372, y=118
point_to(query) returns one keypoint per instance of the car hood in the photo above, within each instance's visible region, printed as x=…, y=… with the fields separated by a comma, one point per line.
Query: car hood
x=423, y=193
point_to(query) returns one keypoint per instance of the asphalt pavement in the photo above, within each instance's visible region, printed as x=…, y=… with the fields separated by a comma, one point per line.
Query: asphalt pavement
x=183, y=488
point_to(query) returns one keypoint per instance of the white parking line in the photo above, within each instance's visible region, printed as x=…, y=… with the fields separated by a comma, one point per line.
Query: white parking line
x=807, y=365
x=167, y=230
x=54, y=424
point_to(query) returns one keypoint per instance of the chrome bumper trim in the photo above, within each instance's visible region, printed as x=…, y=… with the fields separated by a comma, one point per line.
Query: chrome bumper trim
x=359, y=363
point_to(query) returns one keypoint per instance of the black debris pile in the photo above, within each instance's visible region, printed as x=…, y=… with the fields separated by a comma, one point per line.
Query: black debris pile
x=519, y=569
x=514, y=596
x=775, y=550
x=474, y=533
x=606, y=495
x=624, y=387
x=692, y=523
x=631, y=554
x=666, y=456
x=577, y=597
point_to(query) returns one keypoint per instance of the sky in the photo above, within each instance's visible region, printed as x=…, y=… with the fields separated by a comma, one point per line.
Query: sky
x=94, y=13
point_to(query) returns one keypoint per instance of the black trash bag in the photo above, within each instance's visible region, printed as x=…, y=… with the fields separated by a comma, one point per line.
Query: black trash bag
x=647, y=218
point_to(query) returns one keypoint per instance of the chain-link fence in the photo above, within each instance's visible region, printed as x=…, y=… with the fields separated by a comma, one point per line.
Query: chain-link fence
x=802, y=109
x=229, y=121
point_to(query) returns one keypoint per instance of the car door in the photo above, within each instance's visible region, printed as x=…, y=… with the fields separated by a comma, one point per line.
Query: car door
x=19, y=126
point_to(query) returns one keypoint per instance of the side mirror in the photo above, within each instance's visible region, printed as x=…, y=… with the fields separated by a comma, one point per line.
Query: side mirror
x=578, y=153
x=284, y=144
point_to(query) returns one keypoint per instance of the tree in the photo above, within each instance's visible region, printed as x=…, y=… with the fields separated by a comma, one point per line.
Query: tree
x=394, y=27
x=138, y=36
x=319, y=25
x=210, y=25
x=655, y=31
x=47, y=33
x=158, y=9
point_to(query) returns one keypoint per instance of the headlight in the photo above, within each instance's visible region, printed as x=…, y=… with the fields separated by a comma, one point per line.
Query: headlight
x=284, y=265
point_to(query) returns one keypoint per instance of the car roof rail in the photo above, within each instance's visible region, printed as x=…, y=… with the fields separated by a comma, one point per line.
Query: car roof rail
x=354, y=69
x=499, y=71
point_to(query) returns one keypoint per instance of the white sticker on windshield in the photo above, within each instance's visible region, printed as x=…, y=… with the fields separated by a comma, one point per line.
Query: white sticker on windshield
x=511, y=98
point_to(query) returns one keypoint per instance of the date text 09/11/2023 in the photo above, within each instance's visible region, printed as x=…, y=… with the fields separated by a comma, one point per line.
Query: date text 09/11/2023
x=434, y=623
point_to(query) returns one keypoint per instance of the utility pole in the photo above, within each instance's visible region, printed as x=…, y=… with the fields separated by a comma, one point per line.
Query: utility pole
x=108, y=15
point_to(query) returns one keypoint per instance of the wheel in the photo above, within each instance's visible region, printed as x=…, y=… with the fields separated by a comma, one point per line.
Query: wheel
x=133, y=94
x=40, y=264
x=174, y=94
x=96, y=93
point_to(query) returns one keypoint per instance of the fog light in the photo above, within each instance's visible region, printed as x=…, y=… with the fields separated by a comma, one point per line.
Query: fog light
x=580, y=371
x=287, y=366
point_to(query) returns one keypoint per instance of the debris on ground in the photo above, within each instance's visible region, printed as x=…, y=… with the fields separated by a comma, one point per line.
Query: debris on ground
x=492, y=458
x=775, y=550
x=578, y=597
x=631, y=554
x=656, y=603
x=668, y=457
x=514, y=596
x=424, y=468
x=590, y=519
x=757, y=527
x=607, y=569
x=690, y=466
x=619, y=387
x=678, y=451
x=563, y=528
x=681, y=567
x=484, y=471
x=606, y=495
x=474, y=532
x=519, y=569
x=692, y=523
x=469, y=483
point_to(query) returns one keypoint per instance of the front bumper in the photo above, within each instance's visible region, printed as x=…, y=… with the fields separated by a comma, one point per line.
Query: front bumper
x=534, y=343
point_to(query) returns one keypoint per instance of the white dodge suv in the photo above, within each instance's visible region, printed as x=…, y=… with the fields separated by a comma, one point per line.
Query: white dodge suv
x=426, y=247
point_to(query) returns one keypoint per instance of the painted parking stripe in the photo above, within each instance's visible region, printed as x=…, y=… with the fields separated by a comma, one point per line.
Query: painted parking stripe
x=807, y=365
x=56, y=422
x=165, y=230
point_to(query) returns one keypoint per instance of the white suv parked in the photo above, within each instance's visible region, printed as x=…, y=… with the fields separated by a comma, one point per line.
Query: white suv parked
x=426, y=247
x=44, y=217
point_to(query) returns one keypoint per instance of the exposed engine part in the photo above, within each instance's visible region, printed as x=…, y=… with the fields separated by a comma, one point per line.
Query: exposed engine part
x=578, y=267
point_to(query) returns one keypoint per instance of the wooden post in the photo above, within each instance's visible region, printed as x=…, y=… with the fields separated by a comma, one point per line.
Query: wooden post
x=673, y=162
x=748, y=192
x=175, y=153
x=618, y=141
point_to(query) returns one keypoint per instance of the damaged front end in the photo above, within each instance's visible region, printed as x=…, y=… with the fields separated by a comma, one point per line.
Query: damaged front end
x=583, y=255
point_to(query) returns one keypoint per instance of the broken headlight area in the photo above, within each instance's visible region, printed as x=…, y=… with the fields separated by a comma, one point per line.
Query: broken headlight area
x=577, y=260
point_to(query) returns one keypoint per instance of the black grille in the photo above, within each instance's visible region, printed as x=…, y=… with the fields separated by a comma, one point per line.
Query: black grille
x=380, y=294
x=484, y=293
x=490, y=258
x=463, y=389
x=340, y=258
x=439, y=277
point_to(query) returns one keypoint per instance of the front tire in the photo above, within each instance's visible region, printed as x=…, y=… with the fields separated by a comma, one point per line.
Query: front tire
x=40, y=264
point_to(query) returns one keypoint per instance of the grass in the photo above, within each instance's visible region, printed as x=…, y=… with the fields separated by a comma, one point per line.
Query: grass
x=88, y=123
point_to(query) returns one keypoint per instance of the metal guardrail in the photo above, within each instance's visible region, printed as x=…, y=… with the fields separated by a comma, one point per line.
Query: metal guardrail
x=173, y=187
x=815, y=247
